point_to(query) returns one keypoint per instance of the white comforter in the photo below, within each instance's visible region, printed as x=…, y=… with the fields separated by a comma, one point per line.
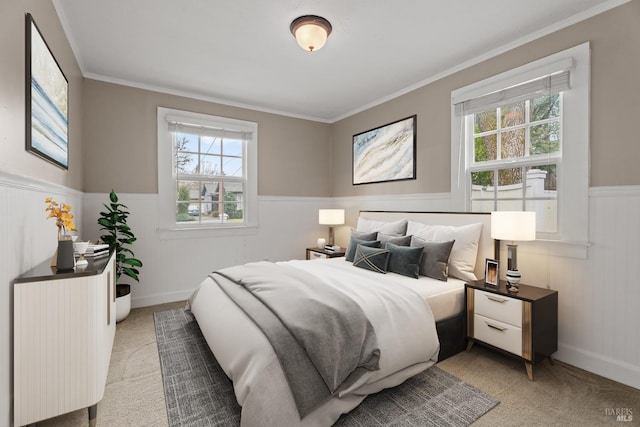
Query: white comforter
x=403, y=322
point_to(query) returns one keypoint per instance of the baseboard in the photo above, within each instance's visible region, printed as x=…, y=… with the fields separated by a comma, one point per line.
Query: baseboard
x=616, y=370
x=145, y=301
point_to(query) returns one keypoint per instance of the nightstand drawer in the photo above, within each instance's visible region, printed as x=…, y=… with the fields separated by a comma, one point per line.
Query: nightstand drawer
x=317, y=255
x=498, y=334
x=498, y=307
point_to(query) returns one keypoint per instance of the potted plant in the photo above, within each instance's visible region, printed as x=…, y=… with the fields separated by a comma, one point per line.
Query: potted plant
x=119, y=237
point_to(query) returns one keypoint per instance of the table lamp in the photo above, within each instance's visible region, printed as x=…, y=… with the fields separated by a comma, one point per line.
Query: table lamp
x=331, y=217
x=513, y=226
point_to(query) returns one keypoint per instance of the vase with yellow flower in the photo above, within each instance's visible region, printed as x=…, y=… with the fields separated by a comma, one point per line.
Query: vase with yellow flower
x=64, y=221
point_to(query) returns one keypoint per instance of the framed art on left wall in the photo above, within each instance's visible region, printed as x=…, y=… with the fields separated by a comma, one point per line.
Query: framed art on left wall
x=46, y=97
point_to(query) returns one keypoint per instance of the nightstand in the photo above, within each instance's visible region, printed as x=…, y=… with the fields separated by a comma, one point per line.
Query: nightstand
x=522, y=324
x=317, y=253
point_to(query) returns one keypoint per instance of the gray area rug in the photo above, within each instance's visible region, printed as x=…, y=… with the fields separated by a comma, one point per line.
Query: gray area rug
x=198, y=393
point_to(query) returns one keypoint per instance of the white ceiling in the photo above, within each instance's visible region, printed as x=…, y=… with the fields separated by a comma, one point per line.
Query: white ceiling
x=241, y=52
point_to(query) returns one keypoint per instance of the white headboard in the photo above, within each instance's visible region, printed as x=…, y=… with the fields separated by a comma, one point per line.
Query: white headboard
x=486, y=247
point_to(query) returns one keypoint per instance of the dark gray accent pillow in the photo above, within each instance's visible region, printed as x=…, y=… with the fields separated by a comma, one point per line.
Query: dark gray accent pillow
x=353, y=243
x=374, y=259
x=360, y=235
x=404, y=260
x=435, y=257
x=396, y=240
x=364, y=235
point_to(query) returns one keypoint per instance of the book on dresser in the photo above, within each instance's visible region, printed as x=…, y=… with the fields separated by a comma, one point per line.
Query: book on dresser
x=97, y=251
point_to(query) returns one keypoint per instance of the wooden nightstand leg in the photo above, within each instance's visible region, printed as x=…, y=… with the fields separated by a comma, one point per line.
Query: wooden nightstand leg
x=469, y=345
x=529, y=367
x=553, y=362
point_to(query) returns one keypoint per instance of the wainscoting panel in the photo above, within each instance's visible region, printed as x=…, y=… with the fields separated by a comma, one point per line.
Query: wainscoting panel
x=598, y=284
x=598, y=294
x=174, y=267
x=27, y=239
x=603, y=294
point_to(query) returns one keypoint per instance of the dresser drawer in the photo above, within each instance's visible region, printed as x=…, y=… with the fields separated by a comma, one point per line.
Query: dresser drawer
x=498, y=307
x=498, y=334
x=317, y=255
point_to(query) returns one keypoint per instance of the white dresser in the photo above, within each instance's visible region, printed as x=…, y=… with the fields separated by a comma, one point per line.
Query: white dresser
x=64, y=326
x=523, y=324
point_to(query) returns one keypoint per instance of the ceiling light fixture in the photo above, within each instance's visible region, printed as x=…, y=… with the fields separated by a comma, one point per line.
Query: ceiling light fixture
x=311, y=31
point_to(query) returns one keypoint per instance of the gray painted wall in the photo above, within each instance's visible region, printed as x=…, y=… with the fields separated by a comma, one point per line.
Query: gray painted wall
x=13, y=157
x=615, y=56
x=121, y=151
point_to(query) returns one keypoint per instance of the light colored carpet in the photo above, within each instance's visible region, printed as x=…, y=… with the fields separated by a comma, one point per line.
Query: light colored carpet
x=561, y=395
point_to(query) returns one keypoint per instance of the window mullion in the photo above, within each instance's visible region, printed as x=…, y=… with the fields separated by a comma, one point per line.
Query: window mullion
x=499, y=133
x=527, y=132
x=523, y=171
x=495, y=189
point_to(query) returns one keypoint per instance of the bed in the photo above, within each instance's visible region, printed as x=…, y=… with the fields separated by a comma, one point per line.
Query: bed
x=382, y=328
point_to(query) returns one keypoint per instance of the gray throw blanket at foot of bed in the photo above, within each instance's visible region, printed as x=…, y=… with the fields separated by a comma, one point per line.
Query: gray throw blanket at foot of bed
x=322, y=338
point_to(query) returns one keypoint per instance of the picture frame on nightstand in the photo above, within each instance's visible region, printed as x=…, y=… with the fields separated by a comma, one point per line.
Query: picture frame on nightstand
x=491, y=272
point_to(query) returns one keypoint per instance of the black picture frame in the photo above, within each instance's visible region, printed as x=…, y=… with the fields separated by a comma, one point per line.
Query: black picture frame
x=386, y=153
x=491, y=272
x=46, y=100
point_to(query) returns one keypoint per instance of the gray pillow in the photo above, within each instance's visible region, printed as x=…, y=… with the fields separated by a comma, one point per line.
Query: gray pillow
x=374, y=259
x=404, y=260
x=364, y=235
x=353, y=243
x=435, y=257
x=396, y=228
x=396, y=240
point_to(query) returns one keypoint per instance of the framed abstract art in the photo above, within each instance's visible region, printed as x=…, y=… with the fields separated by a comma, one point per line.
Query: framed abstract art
x=386, y=153
x=47, y=100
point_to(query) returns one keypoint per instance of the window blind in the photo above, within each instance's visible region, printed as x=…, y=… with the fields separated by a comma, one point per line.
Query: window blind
x=548, y=84
x=208, y=131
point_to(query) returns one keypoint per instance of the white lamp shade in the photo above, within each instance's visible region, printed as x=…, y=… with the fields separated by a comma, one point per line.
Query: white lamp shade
x=331, y=216
x=513, y=225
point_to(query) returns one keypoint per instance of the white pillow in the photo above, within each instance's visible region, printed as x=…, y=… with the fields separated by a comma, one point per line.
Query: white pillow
x=395, y=228
x=462, y=261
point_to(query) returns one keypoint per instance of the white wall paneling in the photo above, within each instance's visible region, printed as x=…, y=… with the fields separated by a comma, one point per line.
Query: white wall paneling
x=27, y=239
x=598, y=286
x=598, y=295
x=174, y=267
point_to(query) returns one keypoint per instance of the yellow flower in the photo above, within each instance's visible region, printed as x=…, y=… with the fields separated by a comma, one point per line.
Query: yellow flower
x=62, y=214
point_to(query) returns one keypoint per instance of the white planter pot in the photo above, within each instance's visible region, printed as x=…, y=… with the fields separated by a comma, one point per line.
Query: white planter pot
x=123, y=306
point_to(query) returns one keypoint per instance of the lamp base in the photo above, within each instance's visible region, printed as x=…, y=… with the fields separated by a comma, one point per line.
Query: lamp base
x=330, y=242
x=513, y=279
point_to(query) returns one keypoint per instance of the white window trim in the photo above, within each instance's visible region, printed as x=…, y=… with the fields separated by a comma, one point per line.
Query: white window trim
x=573, y=205
x=167, y=226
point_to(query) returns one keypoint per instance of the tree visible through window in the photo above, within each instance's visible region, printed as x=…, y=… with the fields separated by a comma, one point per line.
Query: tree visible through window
x=516, y=152
x=520, y=141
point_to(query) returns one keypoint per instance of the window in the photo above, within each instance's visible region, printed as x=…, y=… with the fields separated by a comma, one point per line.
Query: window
x=520, y=142
x=515, y=154
x=206, y=171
